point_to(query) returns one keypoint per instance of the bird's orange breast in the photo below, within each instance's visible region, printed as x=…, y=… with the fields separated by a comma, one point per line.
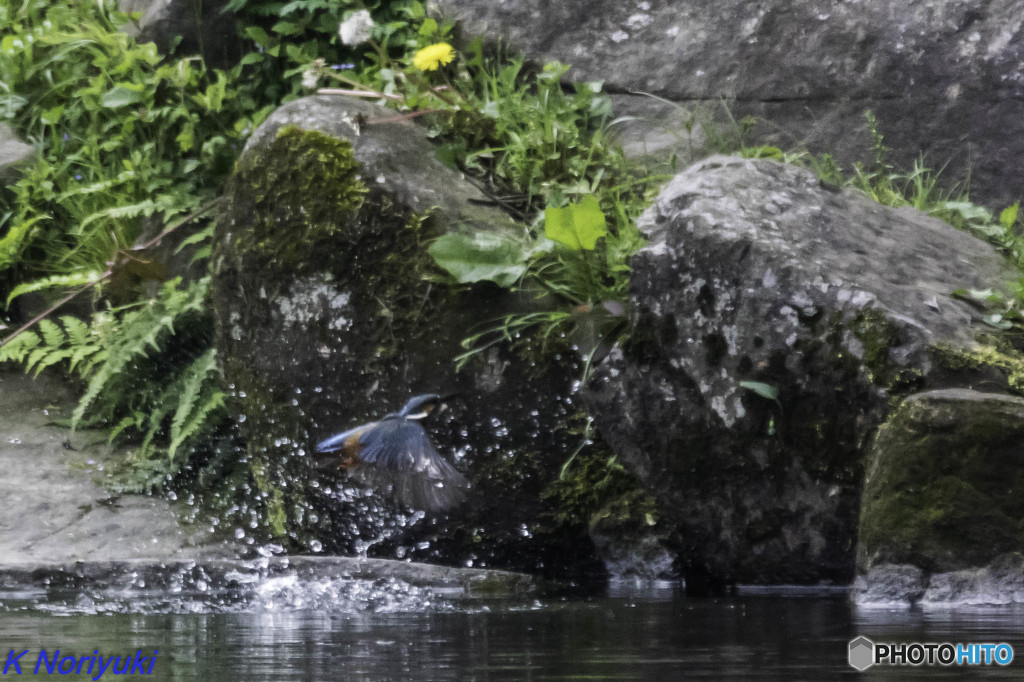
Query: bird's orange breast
x=350, y=449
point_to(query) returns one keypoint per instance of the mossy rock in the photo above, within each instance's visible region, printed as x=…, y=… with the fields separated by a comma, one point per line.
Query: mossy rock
x=774, y=324
x=944, y=483
x=331, y=313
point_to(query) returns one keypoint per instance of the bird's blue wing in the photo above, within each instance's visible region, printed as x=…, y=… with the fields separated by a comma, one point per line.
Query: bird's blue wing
x=337, y=441
x=397, y=454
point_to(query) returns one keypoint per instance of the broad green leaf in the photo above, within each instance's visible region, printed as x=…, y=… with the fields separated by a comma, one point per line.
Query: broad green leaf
x=1009, y=215
x=257, y=35
x=480, y=256
x=577, y=226
x=121, y=96
x=52, y=116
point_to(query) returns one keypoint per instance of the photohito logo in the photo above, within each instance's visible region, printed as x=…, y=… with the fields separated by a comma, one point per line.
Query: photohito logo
x=864, y=653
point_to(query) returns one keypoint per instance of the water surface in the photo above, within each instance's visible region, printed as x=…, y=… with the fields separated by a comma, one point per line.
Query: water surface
x=363, y=630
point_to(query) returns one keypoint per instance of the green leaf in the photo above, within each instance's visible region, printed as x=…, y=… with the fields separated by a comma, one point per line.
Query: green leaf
x=52, y=333
x=428, y=27
x=257, y=35
x=52, y=116
x=121, y=96
x=996, y=320
x=1009, y=215
x=577, y=226
x=968, y=211
x=764, y=390
x=480, y=256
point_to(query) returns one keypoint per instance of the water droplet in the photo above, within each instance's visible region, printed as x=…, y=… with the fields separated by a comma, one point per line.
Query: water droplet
x=315, y=545
x=239, y=533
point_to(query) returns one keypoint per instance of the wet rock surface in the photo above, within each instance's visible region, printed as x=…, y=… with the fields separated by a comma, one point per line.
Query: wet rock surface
x=334, y=584
x=331, y=313
x=942, y=495
x=54, y=510
x=65, y=536
x=1000, y=583
x=755, y=272
x=943, y=76
x=890, y=585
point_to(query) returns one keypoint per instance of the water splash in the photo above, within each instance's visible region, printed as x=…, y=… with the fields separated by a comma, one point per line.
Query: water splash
x=331, y=585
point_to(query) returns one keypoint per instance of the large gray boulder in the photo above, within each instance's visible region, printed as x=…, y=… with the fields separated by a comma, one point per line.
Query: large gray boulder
x=942, y=498
x=756, y=272
x=943, y=76
x=187, y=27
x=331, y=313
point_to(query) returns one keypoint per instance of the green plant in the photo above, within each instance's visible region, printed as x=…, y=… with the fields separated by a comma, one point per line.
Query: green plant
x=136, y=382
x=544, y=155
x=123, y=136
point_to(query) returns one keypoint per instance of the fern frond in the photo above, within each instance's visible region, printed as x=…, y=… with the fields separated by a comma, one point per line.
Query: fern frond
x=19, y=347
x=78, y=279
x=52, y=332
x=187, y=420
x=12, y=243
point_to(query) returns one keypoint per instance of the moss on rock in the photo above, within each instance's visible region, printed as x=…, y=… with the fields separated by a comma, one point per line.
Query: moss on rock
x=944, y=482
x=304, y=190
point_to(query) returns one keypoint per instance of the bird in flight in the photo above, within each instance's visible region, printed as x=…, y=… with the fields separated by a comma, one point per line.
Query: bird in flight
x=395, y=454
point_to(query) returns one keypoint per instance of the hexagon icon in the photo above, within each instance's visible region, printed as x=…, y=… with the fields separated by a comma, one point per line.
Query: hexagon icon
x=862, y=653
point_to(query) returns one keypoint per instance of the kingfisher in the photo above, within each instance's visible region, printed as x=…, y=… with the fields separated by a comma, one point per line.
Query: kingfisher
x=394, y=453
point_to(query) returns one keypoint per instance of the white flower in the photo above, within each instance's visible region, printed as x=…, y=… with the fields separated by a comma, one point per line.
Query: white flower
x=356, y=29
x=310, y=78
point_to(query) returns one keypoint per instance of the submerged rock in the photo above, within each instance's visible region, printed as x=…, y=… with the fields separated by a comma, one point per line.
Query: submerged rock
x=772, y=322
x=942, y=494
x=332, y=313
x=325, y=584
x=942, y=76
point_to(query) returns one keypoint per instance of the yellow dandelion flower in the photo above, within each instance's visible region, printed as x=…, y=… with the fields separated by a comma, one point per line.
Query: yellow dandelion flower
x=433, y=56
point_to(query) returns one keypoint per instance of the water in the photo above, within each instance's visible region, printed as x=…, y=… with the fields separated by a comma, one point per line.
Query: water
x=363, y=630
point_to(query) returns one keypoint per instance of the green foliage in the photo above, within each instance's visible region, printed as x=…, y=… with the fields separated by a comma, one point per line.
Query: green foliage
x=921, y=189
x=123, y=135
x=136, y=385
x=485, y=256
x=542, y=152
x=577, y=226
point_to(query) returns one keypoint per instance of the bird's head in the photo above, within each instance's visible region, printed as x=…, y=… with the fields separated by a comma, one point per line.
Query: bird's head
x=420, y=406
